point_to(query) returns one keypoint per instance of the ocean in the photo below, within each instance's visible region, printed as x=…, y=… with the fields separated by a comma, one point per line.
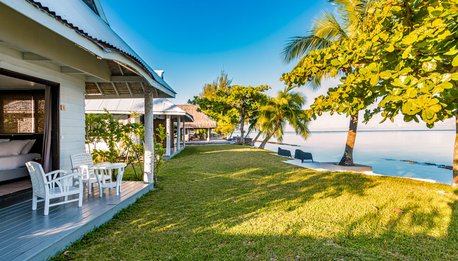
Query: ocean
x=413, y=154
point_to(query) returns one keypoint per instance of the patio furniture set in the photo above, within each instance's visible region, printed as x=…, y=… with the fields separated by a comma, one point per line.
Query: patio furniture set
x=60, y=184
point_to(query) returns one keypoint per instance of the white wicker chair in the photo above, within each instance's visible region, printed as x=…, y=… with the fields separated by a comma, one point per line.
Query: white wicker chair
x=53, y=185
x=83, y=164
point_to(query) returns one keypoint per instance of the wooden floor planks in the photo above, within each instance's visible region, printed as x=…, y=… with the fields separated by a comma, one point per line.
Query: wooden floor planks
x=29, y=235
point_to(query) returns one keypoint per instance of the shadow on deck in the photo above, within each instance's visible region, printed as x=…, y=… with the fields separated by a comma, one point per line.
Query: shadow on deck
x=29, y=235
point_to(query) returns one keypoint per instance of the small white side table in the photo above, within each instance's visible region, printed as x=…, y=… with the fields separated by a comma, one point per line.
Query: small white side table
x=107, y=168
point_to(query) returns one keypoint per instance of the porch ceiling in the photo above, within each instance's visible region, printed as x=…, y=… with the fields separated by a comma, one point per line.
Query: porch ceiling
x=124, y=83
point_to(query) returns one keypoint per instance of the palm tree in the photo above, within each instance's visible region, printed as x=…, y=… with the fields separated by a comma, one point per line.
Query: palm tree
x=280, y=110
x=221, y=83
x=326, y=30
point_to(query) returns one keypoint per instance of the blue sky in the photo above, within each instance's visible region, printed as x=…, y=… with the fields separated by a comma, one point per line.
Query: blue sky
x=193, y=40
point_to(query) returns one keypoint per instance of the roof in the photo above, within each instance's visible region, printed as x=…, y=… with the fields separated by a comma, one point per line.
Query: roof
x=201, y=120
x=78, y=16
x=161, y=106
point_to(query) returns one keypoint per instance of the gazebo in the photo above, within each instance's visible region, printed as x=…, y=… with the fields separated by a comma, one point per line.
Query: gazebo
x=201, y=120
x=172, y=117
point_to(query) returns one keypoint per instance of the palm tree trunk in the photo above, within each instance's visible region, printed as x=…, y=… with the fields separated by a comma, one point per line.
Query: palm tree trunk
x=264, y=142
x=249, y=131
x=347, y=158
x=256, y=138
x=267, y=138
x=455, y=154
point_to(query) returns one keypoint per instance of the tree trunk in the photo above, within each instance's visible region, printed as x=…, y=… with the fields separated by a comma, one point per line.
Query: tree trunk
x=256, y=138
x=249, y=131
x=347, y=158
x=455, y=154
x=264, y=142
x=242, y=131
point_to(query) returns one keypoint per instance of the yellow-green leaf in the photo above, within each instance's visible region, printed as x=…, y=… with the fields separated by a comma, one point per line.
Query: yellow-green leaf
x=455, y=76
x=374, y=79
x=385, y=75
x=409, y=39
x=429, y=66
x=335, y=62
x=406, y=52
x=455, y=61
x=445, y=85
x=390, y=48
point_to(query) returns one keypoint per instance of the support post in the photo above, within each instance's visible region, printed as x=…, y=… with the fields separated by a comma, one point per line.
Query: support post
x=179, y=133
x=184, y=132
x=148, y=161
x=169, y=134
x=209, y=133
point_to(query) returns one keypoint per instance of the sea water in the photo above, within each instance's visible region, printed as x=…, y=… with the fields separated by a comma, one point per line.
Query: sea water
x=413, y=154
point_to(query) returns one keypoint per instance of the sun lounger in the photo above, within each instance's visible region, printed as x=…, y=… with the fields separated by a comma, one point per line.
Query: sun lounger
x=285, y=153
x=299, y=154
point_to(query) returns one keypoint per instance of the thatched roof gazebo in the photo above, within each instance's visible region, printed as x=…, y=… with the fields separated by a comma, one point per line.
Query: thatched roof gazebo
x=201, y=120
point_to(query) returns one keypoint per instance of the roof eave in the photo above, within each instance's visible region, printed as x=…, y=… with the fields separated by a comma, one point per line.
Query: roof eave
x=85, y=42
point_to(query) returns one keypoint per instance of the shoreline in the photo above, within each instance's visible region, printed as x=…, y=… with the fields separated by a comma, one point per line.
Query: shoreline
x=336, y=131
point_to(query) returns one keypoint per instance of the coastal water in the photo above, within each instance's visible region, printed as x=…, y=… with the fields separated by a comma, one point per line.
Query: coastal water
x=393, y=153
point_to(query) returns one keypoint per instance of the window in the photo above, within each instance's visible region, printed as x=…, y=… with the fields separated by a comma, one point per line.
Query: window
x=22, y=113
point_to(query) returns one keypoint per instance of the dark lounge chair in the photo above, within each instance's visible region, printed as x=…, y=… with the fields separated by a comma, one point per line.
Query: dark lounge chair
x=285, y=153
x=299, y=154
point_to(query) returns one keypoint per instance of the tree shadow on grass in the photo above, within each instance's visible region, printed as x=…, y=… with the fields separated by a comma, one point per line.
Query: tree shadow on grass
x=228, y=202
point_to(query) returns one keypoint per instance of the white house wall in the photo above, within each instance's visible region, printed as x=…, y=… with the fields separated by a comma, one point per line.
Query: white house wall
x=72, y=88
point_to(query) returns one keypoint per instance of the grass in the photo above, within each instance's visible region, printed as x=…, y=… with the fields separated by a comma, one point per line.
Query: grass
x=237, y=203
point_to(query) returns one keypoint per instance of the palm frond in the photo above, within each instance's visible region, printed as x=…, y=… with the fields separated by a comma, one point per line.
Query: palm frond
x=352, y=12
x=325, y=30
x=298, y=46
x=328, y=27
x=285, y=108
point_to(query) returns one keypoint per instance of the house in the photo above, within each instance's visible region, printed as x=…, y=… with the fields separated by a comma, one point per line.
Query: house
x=201, y=122
x=167, y=114
x=53, y=56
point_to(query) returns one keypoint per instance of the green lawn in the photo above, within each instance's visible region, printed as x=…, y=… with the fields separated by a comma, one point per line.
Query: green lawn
x=232, y=203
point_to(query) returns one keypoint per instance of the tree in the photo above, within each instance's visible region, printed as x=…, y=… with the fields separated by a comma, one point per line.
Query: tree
x=420, y=69
x=233, y=105
x=280, y=110
x=214, y=107
x=222, y=82
x=327, y=31
x=410, y=62
x=246, y=102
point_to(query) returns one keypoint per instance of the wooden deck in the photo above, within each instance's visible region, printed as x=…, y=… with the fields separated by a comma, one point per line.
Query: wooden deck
x=29, y=235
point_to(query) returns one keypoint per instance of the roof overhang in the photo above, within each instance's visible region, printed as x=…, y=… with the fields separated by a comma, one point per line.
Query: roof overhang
x=131, y=65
